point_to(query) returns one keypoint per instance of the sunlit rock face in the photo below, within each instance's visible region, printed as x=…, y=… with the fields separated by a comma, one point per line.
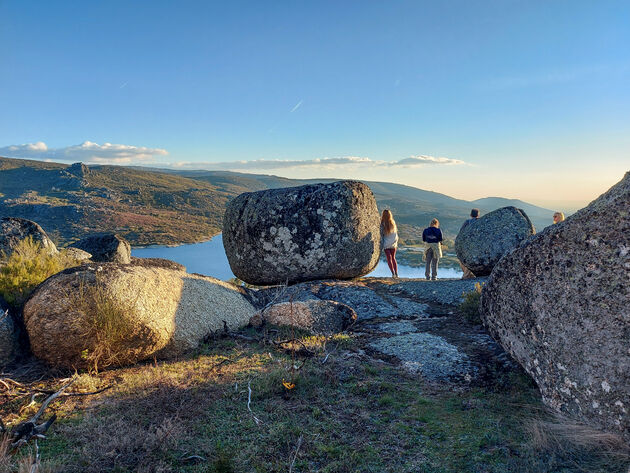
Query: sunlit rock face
x=481, y=243
x=302, y=233
x=560, y=304
x=146, y=308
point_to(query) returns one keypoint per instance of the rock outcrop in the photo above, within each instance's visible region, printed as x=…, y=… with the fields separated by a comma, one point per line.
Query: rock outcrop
x=560, y=304
x=105, y=247
x=322, y=317
x=13, y=230
x=481, y=243
x=302, y=233
x=143, y=309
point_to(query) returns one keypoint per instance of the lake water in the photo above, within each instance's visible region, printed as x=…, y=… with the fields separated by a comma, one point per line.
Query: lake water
x=209, y=258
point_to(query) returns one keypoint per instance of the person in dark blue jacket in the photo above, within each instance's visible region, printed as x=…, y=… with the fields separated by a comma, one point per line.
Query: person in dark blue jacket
x=433, y=237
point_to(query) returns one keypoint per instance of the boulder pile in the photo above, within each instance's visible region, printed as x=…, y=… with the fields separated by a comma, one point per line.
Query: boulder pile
x=481, y=243
x=560, y=304
x=302, y=233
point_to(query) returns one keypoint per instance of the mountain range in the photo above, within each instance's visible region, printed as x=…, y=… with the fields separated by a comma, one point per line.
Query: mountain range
x=165, y=206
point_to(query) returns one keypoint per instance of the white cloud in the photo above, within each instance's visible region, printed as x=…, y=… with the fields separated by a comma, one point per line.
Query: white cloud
x=87, y=152
x=352, y=162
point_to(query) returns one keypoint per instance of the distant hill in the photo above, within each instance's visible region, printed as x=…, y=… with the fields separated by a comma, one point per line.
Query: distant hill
x=165, y=206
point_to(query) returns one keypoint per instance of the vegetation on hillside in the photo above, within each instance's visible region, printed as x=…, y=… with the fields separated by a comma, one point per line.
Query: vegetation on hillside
x=169, y=207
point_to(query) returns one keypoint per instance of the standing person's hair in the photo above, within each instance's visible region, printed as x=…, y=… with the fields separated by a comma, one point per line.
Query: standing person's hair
x=435, y=223
x=387, y=222
x=474, y=213
x=558, y=217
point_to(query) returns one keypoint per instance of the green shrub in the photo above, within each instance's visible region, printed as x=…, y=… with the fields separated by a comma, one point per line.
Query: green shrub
x=28, y=266
x=469, y=308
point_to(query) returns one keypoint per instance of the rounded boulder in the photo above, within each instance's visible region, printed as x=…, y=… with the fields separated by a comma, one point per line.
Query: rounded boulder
x=13, y=230
x=321, y=231
x=481, y=243
x=114, y=314
x=105, y=247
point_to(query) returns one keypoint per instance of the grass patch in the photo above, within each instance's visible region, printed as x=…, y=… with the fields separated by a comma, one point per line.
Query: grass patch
x=351, y=414
x=469, y=307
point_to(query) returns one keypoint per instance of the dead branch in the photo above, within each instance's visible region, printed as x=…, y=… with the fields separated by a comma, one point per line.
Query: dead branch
x=299, y=443
x=249, y=401
x=27, y=430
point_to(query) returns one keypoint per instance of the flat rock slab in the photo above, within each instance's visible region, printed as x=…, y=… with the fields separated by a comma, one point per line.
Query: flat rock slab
x=367, y=303
x=411, y=323
x=428, y=355
x=446, y=291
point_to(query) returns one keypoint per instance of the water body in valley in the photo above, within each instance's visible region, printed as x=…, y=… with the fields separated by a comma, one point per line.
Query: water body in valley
x=209, y=258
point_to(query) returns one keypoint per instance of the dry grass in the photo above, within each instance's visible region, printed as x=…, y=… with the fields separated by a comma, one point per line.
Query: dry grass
x=109, y=327
x=559, y=434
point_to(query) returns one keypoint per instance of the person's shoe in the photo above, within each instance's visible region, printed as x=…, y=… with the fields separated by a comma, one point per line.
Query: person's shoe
x=434, y=279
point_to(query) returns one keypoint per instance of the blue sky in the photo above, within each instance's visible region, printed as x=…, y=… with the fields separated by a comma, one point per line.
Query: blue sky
x=522, y=99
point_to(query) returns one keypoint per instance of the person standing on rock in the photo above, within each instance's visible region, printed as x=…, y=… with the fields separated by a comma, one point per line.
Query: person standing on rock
x=474, y=215
x=390, y=240
x=433, y=237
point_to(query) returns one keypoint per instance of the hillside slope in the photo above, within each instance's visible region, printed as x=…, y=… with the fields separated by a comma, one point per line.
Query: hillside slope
x=163, y=206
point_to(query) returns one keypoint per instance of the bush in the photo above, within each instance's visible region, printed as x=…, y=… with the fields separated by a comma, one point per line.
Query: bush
x=469, y=308
x=27, y=267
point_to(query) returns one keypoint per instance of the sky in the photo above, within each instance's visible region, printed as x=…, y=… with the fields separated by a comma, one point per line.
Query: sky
x=518, y=99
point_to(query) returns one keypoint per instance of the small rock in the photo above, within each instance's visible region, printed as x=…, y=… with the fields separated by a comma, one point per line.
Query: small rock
x=324, y=317
x=105, y=247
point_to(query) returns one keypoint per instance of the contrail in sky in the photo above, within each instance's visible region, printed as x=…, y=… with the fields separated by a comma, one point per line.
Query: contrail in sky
x=296, y=106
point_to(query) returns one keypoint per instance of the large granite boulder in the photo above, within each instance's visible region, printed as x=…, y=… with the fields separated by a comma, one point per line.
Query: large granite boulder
x=126, y=313
x=323, y=317
x=105, y=247
x=481, y=243
x=302, y=233
x=560, y=304
x=13, y=230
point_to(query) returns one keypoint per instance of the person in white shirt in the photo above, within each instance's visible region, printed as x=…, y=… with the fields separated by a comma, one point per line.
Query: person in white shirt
x=390, y=240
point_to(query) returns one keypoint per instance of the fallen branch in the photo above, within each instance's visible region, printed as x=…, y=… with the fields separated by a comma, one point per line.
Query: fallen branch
x=249, y=401
x=25, y=431
x=299, y=443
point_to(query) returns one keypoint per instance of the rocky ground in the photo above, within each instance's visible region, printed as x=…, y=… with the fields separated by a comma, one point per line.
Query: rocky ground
x=410, y=387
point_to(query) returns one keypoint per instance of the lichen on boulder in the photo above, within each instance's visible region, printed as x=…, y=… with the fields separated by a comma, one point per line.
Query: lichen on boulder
x=481, y=243
x=560, y=304
x=302, y=233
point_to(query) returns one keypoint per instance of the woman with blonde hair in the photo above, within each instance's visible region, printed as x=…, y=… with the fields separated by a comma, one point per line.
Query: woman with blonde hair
x=558, y=217
x=433, y=237
x=390, y=240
